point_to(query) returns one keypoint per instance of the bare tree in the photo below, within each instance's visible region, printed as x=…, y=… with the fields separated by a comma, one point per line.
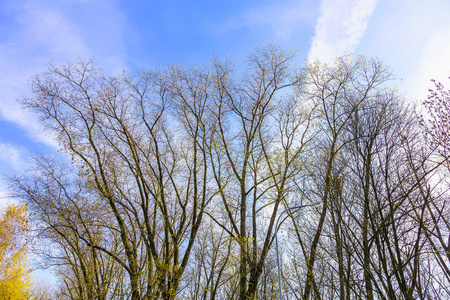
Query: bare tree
x=261, y=134
x=177, y=177
x=371, y=238
x=62, y=211
x=151, y=189
x=339, y=91
x=436, y=125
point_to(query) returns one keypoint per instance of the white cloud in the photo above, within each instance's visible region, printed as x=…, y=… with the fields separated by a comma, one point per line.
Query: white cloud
x=434, y=63
x=13, y=85
x=44, y=31
x=51, y=29
x=424, y=46
x=413, y=37
x=340, y=28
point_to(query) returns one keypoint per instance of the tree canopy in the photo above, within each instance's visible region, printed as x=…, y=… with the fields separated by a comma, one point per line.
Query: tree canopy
x=177, y=176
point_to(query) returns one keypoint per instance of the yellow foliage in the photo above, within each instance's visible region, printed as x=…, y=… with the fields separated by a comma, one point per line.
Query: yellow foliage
x=14, y=274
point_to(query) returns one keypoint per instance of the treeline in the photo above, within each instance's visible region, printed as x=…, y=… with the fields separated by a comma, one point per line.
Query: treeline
x=178, y=176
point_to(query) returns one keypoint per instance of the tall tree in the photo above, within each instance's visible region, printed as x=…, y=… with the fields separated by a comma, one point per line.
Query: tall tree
x=262, y=130
x=63, y=209
x=177, y=177
x=132, y=165
x=339, y=91
x=436, y=125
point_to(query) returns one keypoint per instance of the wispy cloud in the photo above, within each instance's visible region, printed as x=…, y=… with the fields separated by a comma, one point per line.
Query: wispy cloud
x=12, y=155
x=413, y=37
x=282, y=17
x=44, y=31
x=340, y=27
x=11, y=158
x=434, y=63
x=425, y=47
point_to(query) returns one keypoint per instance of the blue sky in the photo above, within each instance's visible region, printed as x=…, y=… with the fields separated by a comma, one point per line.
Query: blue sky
x=412, y=36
